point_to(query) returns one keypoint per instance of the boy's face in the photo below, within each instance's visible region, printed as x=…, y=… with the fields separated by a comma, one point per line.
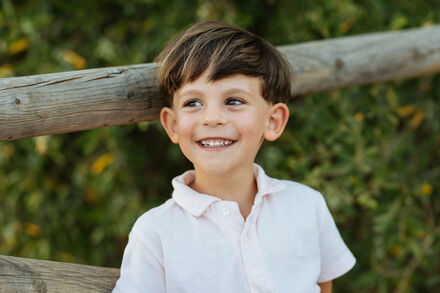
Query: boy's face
x=220, y=125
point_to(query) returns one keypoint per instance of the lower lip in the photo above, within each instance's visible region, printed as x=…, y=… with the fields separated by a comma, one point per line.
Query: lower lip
x=218, y=148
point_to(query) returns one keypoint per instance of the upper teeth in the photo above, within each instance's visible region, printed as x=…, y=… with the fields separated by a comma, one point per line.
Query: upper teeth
x=215, y=143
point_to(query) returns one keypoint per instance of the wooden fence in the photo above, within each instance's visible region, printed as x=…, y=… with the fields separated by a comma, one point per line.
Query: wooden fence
x=19, y=275
x=85, y=99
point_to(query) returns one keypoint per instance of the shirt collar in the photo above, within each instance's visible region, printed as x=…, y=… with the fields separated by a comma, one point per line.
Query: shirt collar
x=196, y=203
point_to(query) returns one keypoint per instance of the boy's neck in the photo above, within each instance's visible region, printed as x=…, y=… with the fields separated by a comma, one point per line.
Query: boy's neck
x=240, y=186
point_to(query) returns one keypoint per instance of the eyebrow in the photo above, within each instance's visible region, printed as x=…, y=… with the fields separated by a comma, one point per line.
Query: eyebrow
x=227, y=92
x=237, y=91
x=190, y=92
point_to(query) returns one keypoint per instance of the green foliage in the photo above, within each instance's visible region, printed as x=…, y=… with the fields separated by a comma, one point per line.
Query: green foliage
x=372, y=151
x=376, y=160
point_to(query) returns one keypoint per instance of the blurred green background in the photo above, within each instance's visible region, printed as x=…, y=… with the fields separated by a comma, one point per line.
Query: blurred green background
x=373, y=151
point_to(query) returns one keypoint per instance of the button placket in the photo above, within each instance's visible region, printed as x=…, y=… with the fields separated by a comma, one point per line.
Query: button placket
x=229, y=221
x=252, y=255
x=246, y=239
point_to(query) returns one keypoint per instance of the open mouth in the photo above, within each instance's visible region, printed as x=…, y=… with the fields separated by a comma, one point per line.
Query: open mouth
x=215, y=143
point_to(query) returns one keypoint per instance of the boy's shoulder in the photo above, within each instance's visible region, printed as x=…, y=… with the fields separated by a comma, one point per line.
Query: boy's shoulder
x=284, y=189
x=156, y=216
x=298, y=187
x=300, y=192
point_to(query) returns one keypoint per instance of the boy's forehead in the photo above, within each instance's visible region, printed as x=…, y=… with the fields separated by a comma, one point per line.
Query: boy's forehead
x=236, y=83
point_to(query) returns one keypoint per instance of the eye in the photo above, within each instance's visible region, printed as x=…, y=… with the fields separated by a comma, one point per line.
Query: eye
x=192, y=103
x=234, y=101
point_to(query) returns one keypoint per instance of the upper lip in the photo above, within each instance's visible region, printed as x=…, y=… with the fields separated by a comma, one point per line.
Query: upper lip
x=216, y=138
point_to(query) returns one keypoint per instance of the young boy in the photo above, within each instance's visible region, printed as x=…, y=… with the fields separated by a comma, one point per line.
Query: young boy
x=228, y=226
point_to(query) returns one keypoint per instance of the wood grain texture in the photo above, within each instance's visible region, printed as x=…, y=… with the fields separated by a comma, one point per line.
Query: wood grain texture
x=79, y=100
x=21, y=275
x=364, y=59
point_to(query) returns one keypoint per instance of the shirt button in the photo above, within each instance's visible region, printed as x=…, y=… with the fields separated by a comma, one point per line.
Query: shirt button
x=256, y=272
x=246, y=240
x=225, y=211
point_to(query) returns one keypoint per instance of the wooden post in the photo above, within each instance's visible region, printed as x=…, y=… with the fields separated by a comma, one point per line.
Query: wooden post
x=79, y=100
x=21, y=275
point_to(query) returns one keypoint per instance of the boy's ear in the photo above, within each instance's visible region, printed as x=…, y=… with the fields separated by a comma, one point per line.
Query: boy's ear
x=168, y=120
x=279, y=114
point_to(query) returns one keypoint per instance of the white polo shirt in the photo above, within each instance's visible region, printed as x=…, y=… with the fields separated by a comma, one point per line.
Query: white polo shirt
x=199, y=243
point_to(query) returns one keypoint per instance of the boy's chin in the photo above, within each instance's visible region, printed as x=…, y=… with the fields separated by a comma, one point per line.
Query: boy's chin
x=212, y=169
x=219, y=168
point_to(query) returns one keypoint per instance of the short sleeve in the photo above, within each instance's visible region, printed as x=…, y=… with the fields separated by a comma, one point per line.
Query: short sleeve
x=336, y=258
x=141, y=270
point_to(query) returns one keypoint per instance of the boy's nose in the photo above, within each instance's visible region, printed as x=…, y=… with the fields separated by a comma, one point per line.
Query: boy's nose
x=213, y=117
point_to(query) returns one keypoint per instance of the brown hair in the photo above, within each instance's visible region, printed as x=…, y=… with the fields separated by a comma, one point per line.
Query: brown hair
x=226, y=50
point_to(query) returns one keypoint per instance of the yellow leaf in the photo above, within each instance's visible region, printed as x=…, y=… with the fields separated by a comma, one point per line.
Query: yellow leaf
x=41, y=145
x=392, y=97
x=6, y=70
x=405, y=110
x=10, y=243
x=32, y=229
x=427, y=23
x=67, y=257
x=7, y=150
x=73, y=58
x=367, y=201
x=417, y=119
x=427, y=189
x=101, y=163
x=354, y=180
x=19, y=46
x=359, y=117
x=399, y=22
x=345, y=25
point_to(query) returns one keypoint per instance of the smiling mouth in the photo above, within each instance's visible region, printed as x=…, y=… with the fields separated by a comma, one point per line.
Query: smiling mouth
x=215, y=143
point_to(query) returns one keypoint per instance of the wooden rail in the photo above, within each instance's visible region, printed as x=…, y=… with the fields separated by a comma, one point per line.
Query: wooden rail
x=79, y=100
x=85, y=99
x=22, y=275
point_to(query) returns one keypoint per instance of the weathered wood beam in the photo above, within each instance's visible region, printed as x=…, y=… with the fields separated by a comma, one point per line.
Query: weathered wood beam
x=364, y=59
x=79, y=100
x=21, y=275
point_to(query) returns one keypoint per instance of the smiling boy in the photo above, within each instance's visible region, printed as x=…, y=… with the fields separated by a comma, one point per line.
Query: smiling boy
x=228, y=226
